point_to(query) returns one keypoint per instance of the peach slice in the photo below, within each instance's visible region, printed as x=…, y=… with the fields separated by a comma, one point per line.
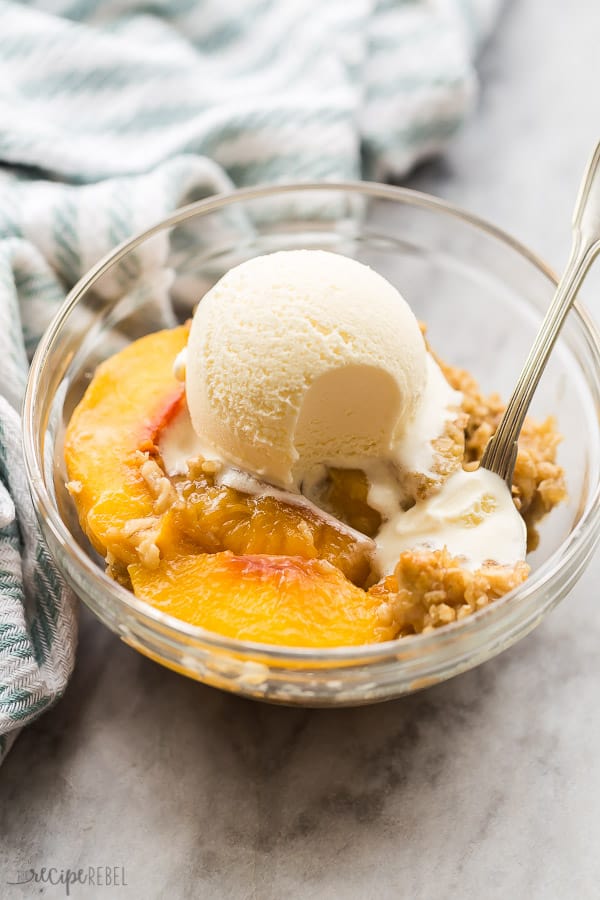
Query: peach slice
x=215, y=517
x=270, y=599
x=130, y=398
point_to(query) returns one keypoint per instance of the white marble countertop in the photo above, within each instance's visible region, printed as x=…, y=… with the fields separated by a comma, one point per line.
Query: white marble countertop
x=487, y=786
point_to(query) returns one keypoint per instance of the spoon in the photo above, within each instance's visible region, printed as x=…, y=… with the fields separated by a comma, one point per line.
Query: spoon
x=501, y=451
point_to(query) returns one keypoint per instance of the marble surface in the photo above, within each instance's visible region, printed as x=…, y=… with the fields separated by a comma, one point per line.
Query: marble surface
x=486, y=786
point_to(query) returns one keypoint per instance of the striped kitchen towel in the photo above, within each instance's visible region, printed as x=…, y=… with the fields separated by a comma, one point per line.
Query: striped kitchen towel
x=115, y=112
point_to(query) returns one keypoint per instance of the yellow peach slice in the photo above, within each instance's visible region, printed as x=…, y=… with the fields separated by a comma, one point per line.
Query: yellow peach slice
x=269, y=599
x=130, y=398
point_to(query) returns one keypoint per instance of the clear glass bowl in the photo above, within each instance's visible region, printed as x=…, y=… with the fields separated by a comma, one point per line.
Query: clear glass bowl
x=482, y=295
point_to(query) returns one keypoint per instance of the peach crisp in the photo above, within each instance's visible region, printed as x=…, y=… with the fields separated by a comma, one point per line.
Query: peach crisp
x=351, y=524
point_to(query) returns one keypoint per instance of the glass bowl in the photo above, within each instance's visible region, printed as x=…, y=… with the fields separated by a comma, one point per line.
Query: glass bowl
x=482, y=296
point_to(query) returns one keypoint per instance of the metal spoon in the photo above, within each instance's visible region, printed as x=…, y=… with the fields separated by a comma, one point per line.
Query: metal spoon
x=501, y=452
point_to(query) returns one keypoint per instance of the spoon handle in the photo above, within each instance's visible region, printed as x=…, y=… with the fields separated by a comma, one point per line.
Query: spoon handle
x=501, y=452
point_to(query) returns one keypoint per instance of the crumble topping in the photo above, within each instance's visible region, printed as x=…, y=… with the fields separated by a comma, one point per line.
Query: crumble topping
x=449, y=451
x=160, y=485
x=141, y=535
x=431, y=588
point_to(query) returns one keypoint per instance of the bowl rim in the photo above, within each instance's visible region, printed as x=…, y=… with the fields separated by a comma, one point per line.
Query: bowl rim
x=490, y=619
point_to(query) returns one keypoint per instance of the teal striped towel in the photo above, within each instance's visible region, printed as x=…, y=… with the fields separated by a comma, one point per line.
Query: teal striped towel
x=115, y=112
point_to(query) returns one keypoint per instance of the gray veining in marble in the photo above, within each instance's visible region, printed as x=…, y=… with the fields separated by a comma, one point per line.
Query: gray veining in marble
x=485, y=787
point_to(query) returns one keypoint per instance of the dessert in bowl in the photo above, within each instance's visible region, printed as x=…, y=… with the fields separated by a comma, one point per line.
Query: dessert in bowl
x=265, y=557
x=289, y=469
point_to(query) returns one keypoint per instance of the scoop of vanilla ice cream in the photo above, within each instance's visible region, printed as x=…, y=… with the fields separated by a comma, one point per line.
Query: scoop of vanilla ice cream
x=301, y=358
